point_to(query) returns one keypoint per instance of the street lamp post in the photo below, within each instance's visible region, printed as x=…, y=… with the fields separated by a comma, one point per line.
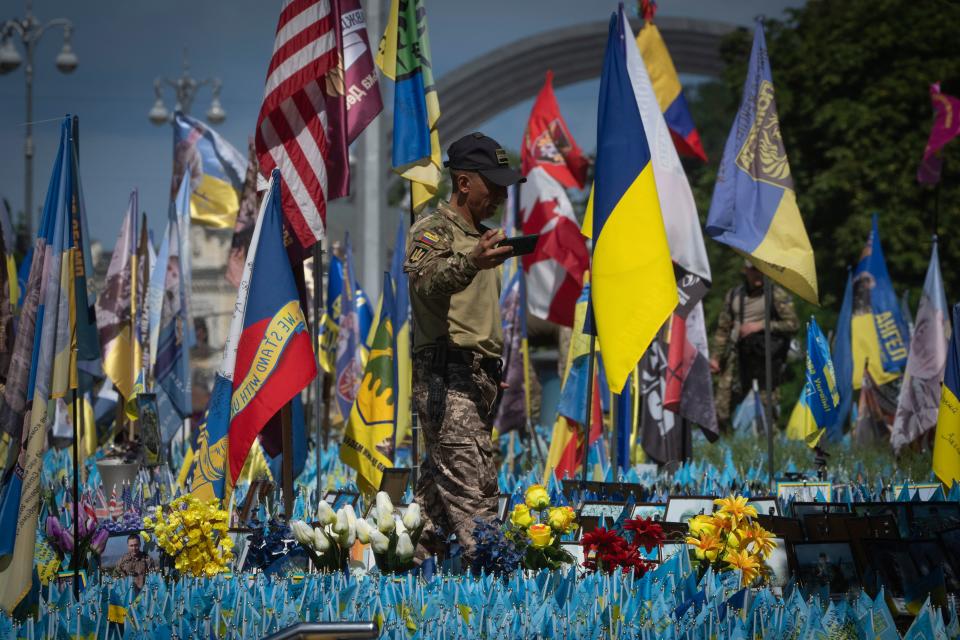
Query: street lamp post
x=185, y=90
x=30, y=30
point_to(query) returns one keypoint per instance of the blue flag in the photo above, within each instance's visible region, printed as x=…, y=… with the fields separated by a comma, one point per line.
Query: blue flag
x=842, y=364
x=821, y=385
x=754, y=207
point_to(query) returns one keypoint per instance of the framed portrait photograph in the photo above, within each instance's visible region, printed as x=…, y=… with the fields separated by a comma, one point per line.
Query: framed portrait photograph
x=788, y=528
x=899, y=511
x=655, y=511
x=826, y=527
x=574, y=549
x=950, y=545
x=765, y=505
x=126, y=554
x=605, y=512
x=503, y=506
x=888, y=564
x=866, y=527
x=803, y=491
x=929, y=518
x=682, y=508
x=803, y=509
x=928, y=556
x=668, y=550
x=826, y=568
x=394, y=482
x=779, y=564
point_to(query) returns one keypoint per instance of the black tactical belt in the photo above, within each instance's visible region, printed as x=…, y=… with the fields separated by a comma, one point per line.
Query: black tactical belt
x=491, y=366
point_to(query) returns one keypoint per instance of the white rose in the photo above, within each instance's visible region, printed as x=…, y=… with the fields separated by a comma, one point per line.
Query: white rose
x=404, y=546
x=411, y=518
x=379, y=541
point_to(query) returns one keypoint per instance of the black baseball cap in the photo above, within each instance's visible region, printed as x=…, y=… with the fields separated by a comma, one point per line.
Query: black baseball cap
x=483, y=154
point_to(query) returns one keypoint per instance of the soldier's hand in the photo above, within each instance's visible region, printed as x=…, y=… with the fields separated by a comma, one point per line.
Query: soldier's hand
x=487, y=255
x=714, y=365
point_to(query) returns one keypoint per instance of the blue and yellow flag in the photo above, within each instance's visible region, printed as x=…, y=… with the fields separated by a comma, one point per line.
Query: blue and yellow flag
x=634, y=289
x=754, y=208
x=946, y=443
x=47, y=333
x=879, y=335
x=403, y=367
x=216, y=170
x=819, y=401
x=404, y=57
x=368, y=439
x=843, y=364
x=330, y=322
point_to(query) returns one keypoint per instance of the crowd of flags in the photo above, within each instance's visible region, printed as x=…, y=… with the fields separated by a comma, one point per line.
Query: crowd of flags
x=635, y=312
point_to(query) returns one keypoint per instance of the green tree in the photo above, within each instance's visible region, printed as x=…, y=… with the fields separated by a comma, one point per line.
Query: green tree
x=852, y=82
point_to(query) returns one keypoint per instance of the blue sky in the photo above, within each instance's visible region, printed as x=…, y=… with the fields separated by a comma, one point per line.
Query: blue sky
x=123, y=46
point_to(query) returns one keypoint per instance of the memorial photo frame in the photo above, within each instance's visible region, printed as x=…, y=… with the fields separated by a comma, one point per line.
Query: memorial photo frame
x=655, y=511
x=826, y=568
x=803, y=509
x=789, y=529
x=803, y=491
x=681, y=508
x=394, y=482
x=765, y=505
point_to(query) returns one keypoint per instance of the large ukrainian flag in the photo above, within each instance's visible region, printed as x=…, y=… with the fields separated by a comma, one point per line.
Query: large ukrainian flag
x=754, y=208
x=946, y=443
x=634, y=290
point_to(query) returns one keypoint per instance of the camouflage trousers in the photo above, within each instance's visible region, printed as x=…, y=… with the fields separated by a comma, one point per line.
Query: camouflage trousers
x=730, y=392
x=458, y=478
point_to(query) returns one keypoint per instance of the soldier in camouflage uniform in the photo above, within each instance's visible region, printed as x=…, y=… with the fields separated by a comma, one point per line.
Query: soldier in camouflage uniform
x=737, y=347
x=135, y=563
x=451, y=262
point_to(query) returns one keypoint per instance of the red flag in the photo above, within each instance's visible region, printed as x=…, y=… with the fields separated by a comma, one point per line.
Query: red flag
x=547, y=142
x=360, y=83
x=946, y=126
x=297, y=130
x=555, y=269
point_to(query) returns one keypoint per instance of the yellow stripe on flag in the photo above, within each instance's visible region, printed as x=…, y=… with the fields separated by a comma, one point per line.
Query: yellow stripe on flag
x=946, y=443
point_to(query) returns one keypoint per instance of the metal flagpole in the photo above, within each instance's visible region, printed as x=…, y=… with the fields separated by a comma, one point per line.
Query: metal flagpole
x=414, y=422
x=321, y=375
x=286, y=422
x=76, y=491
x=768, y=357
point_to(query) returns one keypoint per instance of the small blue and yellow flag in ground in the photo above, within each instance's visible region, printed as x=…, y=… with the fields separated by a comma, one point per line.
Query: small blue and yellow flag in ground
x=634, y=290
x=754, y=207
x=946, y=443
x=820, y=399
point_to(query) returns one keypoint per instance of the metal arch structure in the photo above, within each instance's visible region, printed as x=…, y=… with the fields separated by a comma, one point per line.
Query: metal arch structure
x=478, y=90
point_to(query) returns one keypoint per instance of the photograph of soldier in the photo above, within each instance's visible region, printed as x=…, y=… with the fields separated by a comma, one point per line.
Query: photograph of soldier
x=135, y=562
x=737, y=355
x=452, y=260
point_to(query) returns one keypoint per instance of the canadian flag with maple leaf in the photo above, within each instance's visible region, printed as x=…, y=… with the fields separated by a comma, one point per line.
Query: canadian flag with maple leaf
x=551, y=160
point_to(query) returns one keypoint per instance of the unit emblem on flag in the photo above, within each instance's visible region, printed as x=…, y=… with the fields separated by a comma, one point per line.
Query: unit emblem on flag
x=763, y=155
x=551, y=144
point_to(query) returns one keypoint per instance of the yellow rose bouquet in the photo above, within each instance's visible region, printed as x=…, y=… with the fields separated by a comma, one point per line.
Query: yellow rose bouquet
x=731, y=538
x=194, y=534
x=536, y=527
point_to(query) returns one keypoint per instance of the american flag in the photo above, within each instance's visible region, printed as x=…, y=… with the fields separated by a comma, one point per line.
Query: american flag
x=292, y=132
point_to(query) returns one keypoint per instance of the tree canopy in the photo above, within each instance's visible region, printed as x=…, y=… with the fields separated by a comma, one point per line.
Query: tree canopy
x=852, y=85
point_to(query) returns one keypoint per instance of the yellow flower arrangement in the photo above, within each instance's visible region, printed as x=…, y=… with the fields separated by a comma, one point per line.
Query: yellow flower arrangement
x=194, y=534
x=562, y=519
x=540, y=535
x=521, y=516
x=537, y=497
x=732, y=535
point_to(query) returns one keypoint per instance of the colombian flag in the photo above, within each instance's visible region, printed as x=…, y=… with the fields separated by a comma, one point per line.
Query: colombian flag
x=946, y=445
x=634, y=289
x=754, y=208
x=275, y=358
x=666, y=85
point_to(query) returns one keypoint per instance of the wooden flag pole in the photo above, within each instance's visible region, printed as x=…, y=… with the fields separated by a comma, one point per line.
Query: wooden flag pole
x=286, y=421
x=768, y=357
x=318, y=382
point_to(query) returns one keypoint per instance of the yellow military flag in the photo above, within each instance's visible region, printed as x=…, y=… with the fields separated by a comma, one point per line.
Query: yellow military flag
x=946, y=442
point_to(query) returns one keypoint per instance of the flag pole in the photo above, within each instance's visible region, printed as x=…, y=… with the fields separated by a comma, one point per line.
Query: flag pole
x=286, y=422
x=768, y=358
x=76, y=492
x=414, y=422
x=589, y=411
x=321, y=375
